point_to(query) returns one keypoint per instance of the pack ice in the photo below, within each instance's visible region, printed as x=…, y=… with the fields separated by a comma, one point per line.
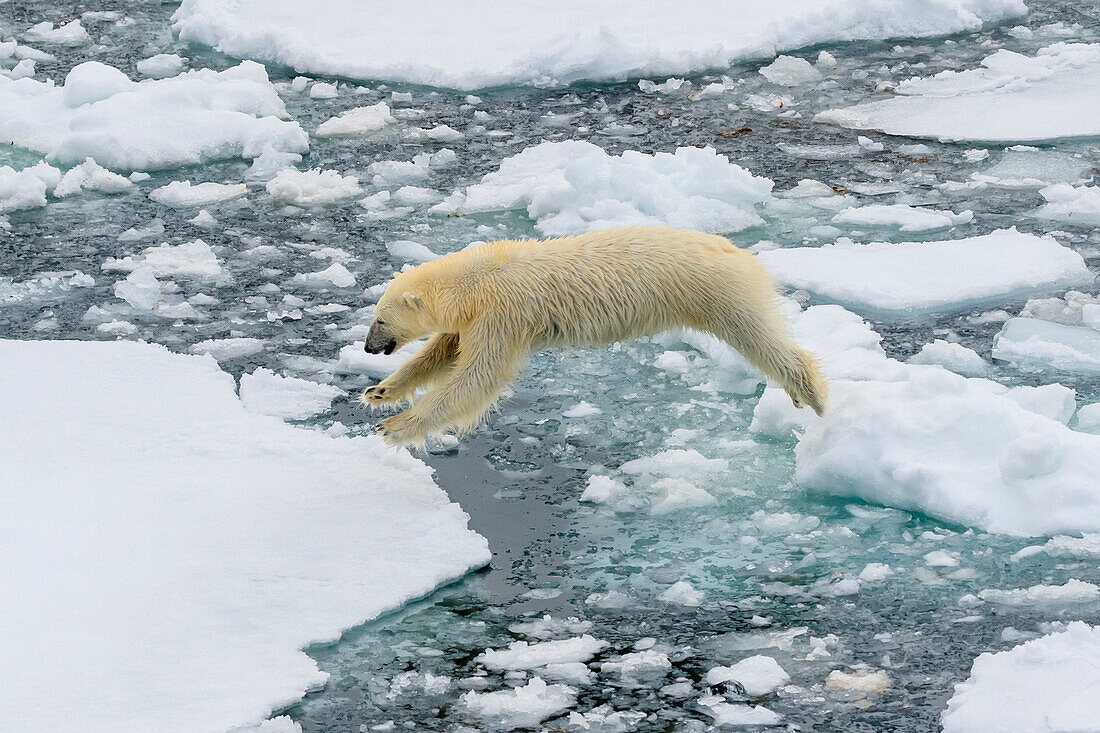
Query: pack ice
x=485, y=43
x=170, y=553
x=1011, y=98
x=574, y=186
x=157, y=123
x=920, y=278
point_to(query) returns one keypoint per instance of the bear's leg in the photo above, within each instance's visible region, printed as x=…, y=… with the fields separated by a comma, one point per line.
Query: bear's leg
x=428, y=365
x=762, y=337
x=486, y=364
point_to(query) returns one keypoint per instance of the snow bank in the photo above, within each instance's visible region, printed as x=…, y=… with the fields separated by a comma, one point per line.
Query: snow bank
x=1032, y=343
x=573, y=187
x=168, y=553
x=1054, y=94
x=1045, y=685
x=126, y=125
x=929, y=277
x=529, y=42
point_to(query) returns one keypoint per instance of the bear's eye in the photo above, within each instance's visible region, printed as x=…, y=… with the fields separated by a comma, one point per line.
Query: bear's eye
x=380, y=322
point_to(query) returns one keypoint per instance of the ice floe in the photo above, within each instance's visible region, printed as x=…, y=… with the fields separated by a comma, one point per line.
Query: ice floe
x=181, y=194
x=290, y=398
x=574, y=186
x=170, y=547
x=1029, y=342
x=26, y=188
x=528, y=42
x=906, y=218
x=312, y=187
x=522, y=707
x=1045, y=685
x=911, y=279
x=1079, y=206
x=1011, y=98
x=228, y=349
x=126, y=125
x=357, y=121
x=758, y=675
x=194, y=259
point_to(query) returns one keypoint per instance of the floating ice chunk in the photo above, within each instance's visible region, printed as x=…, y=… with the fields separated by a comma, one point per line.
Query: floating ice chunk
x=678, y=463
x=548, y=627
x=602, y=490
x=439, y=134
x=523, y=707
x=357, y=121
x=758, y=676
x=144, y=293
x=26, y=189
x=998, y=466
x=162, y=66
x=333, y=276
x=678, y=494
x=397, y=172
x=582, y=409
x=188, y=119
x=929, y=277
x=906, y=218
x=1040, y=344
x=941, y=559
x=1041, y=686
x=728, y=715
x=996, y=103
x=154, y=228
x=228, y=349
x=270, y=162
x=1069, y=309
x=282, y=537
x=1088, y=545
x=875, y=571
x=43, y=288
x=574, y=186
x=521, y=655
x=639, y=665
x=784, y=522
x=1071, y=592
x=322, y=90
x=90, y=176
x=180, y=194
x=194, y=259
x=955, y=357
x=858, y=681
x=1088, y=418
x=290, y=398
x=790, y=71
x=1023, y=166
x=65, y=34
x=409, y=250
x=203, y=219
x=354, y=360
x=682, y=593
x=1069, y=205
x=312, y=187
x=532, y=43
x=605, y=719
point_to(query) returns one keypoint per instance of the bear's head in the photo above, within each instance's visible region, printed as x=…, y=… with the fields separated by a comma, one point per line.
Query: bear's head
x=401, y=316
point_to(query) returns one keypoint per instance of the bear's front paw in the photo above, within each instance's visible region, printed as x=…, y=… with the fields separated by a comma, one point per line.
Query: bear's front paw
x=401, y=430
x=381, y=395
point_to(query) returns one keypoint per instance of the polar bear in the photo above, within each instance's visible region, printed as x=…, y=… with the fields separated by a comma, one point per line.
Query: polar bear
x=488, y=306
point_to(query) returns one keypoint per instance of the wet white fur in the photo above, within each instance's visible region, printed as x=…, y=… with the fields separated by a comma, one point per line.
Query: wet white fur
x=490, y=306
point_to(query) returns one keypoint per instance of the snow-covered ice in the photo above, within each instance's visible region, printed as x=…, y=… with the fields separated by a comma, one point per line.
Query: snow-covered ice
x=357, y=121
x=100, y=113
x=1079, y=206
x=228, y=349
x=757, y=675
x=290, y=398
x=1046, y=685
x=521, y=655
x=175, y=552
x=194, y=259
x=1011, y=98
x=181, y=194
x=533, y=43
x=911, y=279
x=955, y=357
x=312, y=188
x=906, y=218
x=575, y=186
x=522, y=707
x=1037, y=344
x=26, y=188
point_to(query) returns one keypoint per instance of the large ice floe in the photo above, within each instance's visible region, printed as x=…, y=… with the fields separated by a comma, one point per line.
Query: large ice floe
x=574, y=186
x=919, y=278
x=1011, y=98
x=127, y=125
x=1046, y=685
x=1038, y=344
x=483, y=43
x=170, y=554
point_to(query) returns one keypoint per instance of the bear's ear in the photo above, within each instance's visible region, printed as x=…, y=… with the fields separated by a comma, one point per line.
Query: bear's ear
x=414, y=301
